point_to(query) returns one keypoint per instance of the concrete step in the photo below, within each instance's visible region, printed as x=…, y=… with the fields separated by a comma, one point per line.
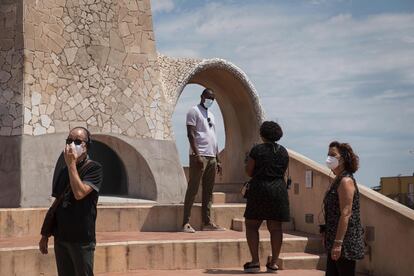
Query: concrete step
x=238, y=224
x=128, y=251
x=301, y=261
x=227, y=187
x=19, y=222
x=236, y=271
x=224, y=197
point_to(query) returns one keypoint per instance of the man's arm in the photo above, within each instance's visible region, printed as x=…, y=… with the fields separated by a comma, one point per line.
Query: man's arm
x=191, y=130
x=79, y=189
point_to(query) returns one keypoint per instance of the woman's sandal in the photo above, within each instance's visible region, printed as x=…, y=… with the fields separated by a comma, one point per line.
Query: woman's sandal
x=251, y=267
x=271, y=268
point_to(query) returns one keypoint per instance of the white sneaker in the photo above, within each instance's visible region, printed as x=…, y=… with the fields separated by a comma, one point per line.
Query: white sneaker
x=188, y=229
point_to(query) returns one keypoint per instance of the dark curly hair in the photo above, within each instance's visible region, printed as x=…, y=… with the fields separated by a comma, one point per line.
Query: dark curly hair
x=271, y=131
x=351, y=160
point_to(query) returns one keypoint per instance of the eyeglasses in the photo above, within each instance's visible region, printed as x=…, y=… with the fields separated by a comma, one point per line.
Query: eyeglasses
x=76, y=141
x=210, y=124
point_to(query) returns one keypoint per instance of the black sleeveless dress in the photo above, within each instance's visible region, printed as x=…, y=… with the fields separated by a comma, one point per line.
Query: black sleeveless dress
x=353, y=243
x=267, y=197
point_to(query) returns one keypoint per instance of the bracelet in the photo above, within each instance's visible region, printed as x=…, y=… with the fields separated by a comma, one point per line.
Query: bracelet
x=338, y=241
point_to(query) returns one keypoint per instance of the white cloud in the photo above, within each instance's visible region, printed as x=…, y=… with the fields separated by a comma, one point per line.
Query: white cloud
x=159, y=6
x=323, y=76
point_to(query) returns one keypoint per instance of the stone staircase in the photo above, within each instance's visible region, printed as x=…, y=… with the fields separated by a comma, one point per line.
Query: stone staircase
x=144, y=237
x=225, y=193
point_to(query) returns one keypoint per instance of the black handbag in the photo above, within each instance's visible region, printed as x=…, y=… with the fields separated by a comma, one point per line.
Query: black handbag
x=49, y=223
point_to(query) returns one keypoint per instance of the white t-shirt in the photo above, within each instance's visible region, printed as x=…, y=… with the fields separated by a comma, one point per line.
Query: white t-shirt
x=205, y=125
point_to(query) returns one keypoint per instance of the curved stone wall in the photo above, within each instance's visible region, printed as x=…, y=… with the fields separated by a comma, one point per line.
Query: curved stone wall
x=236, y=96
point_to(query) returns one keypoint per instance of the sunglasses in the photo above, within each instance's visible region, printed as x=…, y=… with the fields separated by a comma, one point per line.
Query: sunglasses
x=210, y=124
x=76, y=141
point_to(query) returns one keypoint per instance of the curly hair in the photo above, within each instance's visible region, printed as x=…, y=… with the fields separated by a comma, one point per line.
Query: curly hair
x=351, y=160
x=271, y=131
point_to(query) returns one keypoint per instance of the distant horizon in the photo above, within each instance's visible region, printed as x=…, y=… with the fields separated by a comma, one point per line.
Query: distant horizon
x=324, y=69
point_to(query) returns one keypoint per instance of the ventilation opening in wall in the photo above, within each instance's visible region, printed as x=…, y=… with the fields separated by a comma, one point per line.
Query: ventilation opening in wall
x=189, y=98
x=115, y=177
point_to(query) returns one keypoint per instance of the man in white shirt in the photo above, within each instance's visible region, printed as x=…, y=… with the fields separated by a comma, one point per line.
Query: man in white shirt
x=204, y=160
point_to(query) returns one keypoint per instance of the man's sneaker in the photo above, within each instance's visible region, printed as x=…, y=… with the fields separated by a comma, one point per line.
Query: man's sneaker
x=212, y=227
x=188, y=229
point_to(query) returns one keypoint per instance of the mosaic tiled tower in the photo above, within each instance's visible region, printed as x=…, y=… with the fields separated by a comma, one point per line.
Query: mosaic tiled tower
x=93, y=63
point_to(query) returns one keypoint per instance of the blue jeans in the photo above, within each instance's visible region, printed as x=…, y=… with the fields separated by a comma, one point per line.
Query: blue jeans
x=74, y=259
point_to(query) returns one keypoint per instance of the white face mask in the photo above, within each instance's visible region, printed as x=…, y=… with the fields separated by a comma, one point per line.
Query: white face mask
x=332, y=162
x=78, y=149
x=208, y=103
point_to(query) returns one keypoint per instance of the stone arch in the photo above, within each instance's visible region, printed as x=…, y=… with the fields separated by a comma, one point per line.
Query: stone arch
x=140, y=179
x=136, y=178
x=236, y=96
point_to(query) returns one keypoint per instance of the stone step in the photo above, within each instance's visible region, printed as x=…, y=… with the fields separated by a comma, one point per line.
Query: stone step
x=239, y=225
x=18, y=222
x=128, y=251
x=301, y=261
x=228, y=187
x=224, y=197
x=235, y=271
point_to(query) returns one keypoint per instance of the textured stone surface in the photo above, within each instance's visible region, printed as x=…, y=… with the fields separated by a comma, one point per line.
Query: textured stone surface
x=11, y=69
x=91, y=62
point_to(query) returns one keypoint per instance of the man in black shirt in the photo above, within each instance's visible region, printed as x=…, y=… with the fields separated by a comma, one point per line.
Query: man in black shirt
x=78, y=184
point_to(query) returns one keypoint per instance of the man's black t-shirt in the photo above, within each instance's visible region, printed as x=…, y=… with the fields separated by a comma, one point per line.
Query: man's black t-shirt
x=76, y=218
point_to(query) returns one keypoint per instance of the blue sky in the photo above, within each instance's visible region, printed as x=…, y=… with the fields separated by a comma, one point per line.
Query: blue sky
x=324, y=69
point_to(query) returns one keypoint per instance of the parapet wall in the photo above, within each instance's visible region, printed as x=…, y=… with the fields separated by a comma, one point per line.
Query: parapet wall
x=389, y=226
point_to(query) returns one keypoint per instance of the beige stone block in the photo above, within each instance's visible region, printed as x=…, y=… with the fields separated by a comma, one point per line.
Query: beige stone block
x=219, y=198
x=238, y=225
x=99, y=54
x=116, y=58
x=57, y=12
x=207, y=255
x=61, y=126
x=141, y=125
x=123, y=29
x=133, y=74
x=47, y=264
x=100, y=262
x=57, y=29
x=117, y=258
x=71, y=115
x=40, y=44
x=107, y=220
x=77, y=124
x=115, y=41
x=131, y=5
x=60, y=3
x=39, y=130
x=56, y=37
x=82, y=58
x=138, y=257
